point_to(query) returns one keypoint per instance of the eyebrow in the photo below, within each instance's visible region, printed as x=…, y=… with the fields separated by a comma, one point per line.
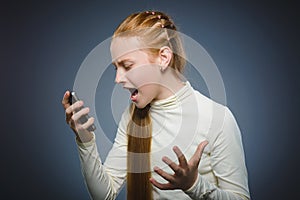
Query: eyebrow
x=121, y=62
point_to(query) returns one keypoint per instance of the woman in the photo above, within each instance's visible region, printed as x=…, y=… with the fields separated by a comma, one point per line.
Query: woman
x=166, y=114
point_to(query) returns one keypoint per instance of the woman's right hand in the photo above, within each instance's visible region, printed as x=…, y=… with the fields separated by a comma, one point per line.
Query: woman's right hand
x=73, y=114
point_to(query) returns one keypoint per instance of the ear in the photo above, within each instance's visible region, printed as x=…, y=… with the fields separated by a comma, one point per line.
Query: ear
x=165, y=55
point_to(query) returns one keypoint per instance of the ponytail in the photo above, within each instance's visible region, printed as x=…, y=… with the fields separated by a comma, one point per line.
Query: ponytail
x=139, y=133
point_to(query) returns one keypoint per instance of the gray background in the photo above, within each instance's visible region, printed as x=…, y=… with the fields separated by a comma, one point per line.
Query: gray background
x=254, y=44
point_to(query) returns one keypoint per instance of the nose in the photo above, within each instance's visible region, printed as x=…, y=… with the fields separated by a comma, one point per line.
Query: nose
x=120, y=76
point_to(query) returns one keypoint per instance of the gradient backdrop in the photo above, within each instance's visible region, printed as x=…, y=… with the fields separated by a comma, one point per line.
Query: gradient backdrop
x=254, y=44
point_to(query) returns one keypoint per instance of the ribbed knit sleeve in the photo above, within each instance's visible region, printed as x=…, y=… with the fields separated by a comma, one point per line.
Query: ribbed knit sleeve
x=228, y=165
x=105, y=180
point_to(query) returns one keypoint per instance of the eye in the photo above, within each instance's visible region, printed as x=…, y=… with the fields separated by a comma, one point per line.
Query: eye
x=128, y=66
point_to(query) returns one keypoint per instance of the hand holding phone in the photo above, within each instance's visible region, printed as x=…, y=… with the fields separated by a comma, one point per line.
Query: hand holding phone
x=72, y=99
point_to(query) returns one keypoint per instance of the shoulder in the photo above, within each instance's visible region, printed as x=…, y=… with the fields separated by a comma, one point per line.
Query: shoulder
x=209, y=108
x=212, y=115
x=219, y=122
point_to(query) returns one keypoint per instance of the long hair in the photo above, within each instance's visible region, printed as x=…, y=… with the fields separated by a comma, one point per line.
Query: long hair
x=139, y=132
x=139, y=128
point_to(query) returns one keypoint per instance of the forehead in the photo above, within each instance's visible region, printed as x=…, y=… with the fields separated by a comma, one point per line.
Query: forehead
x=121, y=46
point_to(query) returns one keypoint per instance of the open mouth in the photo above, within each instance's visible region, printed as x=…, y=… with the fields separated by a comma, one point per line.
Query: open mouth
x=134, y=92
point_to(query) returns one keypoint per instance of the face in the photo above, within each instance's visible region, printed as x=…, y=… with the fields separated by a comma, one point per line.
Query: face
x=137, y=71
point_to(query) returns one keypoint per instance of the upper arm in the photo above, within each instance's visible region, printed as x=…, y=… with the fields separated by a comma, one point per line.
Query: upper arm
x=227, y=157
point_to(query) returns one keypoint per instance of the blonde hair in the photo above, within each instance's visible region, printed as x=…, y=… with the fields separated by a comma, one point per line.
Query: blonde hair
x=155, y=30
x=139, y=132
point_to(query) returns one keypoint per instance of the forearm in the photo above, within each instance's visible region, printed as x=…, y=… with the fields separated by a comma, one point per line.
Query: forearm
x=98, y=182
x=203, y=189
x=84, y=137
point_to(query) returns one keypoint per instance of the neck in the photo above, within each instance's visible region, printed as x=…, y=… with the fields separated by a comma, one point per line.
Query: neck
x=171, y=82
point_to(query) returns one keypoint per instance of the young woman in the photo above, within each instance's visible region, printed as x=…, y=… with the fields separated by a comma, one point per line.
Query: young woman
x=167, y=117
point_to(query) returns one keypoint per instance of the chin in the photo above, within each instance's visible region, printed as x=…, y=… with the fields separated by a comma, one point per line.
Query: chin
x=141, y=105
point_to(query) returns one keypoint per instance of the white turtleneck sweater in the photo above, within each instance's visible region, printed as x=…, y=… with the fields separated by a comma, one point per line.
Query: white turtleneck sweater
x=184, y=119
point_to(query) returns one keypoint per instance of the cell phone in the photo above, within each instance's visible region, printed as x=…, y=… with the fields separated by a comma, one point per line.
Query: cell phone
x=72, y=99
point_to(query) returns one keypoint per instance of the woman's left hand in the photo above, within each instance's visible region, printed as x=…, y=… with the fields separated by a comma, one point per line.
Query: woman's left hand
x=185, y=173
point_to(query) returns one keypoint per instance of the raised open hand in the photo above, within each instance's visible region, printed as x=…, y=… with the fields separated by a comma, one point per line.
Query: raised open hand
x=185, y=173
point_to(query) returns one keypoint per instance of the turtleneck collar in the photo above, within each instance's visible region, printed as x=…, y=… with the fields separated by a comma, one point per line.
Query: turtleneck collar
x=174, y=100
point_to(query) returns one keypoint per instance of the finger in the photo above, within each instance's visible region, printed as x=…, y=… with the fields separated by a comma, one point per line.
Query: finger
x=65, y=100
x=69, y=109
x=74, y=107
x=68, y=119
x=162, y=186
x=165, y=175
x=80, y=113
x=172, y=165
x=182, y=160
x=194, y=161
x=88, y=123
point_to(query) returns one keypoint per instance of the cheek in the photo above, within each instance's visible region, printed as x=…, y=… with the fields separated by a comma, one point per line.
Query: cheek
x=149, y=92
x=144, y=75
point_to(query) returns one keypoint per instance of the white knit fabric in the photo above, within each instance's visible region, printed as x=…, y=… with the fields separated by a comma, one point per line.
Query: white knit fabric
x=185, y=119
